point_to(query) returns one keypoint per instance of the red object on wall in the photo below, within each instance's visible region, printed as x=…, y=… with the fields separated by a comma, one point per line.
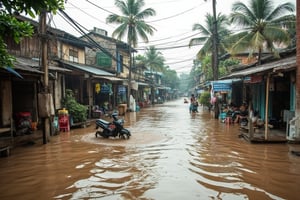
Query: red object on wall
x=23, y=119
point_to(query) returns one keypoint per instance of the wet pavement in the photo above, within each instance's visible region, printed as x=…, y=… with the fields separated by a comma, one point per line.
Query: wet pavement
x=171, y=155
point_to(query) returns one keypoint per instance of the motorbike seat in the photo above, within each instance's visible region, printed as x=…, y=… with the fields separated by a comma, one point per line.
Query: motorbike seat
x=104, y=121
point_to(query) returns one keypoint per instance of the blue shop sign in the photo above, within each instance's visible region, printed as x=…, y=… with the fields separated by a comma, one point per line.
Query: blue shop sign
x=218, y=87
x=121, y=89
x=105, y=88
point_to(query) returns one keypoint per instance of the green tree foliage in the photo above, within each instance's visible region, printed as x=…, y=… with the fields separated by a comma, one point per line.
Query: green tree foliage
x=132, y=21
x=184, y=80
x=170, y=78
x=32, y=7
x=10, y=26
x=206, y=66
x=262, y=25
x=154, y=59
x=225, y=66
x=205, y=98
x=206, y=32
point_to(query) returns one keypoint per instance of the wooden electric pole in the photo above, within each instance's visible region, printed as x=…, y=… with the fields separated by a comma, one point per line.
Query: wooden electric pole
x=129, y=78
x=42, y=24
x=215, y=61
x=215, y=42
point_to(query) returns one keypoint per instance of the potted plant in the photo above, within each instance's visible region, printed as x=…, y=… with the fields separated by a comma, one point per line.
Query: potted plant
x=77, y=111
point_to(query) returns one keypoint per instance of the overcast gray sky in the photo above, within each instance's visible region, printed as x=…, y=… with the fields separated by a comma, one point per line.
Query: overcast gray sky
x=173, y=23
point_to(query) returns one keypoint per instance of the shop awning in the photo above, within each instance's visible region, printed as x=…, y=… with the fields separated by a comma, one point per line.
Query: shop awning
x=35, y=64
x=86, y=68
x=110, y=78
x=282, y=64
x=25, y=65
x=143, y=84
x=58, y=69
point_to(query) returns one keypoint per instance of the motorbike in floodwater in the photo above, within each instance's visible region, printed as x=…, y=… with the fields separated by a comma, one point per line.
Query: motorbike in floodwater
x=112, y=129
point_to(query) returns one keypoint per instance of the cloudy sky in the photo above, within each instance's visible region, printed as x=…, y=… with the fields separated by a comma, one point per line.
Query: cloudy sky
x=173, y=23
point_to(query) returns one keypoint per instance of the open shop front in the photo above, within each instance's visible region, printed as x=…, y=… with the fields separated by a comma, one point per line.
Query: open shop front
x=222, y=91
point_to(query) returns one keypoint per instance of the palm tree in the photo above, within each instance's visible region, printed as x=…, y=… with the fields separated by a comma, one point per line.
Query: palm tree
x=262, y=26
x=131, y=25
x=206, y=32
x=207, y=37
x=154, y=59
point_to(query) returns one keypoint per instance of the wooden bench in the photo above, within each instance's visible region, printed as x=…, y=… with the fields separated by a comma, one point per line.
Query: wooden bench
x=5, y=134
x=246, y=128
x=5, y=130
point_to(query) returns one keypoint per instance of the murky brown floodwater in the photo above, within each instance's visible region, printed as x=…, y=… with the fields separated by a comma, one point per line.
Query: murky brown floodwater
x=171, y=155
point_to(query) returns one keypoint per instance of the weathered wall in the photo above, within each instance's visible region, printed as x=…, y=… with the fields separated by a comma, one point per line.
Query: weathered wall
x=6, y=99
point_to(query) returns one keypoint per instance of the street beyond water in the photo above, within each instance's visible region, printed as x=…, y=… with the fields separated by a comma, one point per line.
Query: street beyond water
x=171, y=155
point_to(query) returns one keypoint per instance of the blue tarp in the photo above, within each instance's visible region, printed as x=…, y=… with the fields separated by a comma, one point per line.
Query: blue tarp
x=11, y=70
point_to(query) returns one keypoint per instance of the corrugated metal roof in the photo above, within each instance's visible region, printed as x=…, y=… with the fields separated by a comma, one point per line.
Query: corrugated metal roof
x=143, y=84
x=34, y=65
x=111, y=78
x=23, y=66
x=87, y=69
x=282, y=64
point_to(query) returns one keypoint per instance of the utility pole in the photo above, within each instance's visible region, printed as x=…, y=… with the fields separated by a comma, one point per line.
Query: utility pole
x=215, y=42
x=129, y=79
x=42, y=24
x=215, y=60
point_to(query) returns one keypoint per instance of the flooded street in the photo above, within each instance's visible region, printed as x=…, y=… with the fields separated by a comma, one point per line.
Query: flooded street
x=171, y=155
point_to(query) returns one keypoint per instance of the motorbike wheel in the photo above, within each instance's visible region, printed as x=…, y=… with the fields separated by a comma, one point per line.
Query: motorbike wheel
x=105, y=133
x=124, y=137
x=125, y=134
x=98, y=133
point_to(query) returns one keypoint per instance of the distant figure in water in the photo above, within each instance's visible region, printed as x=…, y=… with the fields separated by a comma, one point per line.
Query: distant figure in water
x=193, y=104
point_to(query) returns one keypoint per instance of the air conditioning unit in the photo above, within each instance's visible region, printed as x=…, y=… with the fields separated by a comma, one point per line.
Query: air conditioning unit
x=293, y=133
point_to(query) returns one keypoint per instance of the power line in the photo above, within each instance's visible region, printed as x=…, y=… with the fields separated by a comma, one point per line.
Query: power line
x=178, y=14
x=179, y=40
x=88, y=14
x=93, y=42
x=100, y=7
x=180, y=61
x=172, y=47
x=165, y=48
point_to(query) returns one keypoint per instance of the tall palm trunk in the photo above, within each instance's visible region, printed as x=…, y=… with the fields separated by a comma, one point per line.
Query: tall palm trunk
x=259, y=56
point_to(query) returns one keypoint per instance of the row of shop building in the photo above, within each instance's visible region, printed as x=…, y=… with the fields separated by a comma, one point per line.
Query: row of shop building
x=97, y=72
x=269, y=88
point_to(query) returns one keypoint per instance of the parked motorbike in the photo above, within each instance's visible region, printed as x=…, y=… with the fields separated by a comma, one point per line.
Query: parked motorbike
x=112, y=129
x=23, y=123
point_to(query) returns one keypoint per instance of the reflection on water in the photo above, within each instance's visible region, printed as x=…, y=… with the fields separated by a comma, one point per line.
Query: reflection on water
x=171, y=155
